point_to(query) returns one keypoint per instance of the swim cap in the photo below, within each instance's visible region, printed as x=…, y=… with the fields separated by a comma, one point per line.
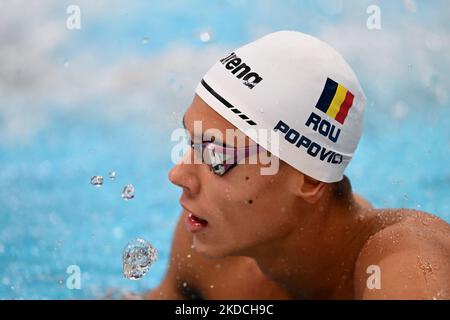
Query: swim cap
x=298, y=86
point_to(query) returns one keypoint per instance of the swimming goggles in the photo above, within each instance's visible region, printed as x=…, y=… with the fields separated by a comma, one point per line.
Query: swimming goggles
x=221, y=159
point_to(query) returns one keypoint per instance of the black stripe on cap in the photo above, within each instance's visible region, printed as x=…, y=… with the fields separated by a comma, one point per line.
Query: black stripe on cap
x=226, y=103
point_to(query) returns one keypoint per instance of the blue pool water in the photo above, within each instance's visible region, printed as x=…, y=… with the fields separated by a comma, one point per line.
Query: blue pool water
x=51, y=217
x=87, y=102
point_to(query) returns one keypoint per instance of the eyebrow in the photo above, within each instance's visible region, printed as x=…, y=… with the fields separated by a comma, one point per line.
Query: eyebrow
x=215, y=142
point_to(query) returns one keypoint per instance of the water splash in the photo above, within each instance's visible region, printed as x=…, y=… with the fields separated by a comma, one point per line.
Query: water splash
x=137, y=258
x=97, y=181
x=128, y=192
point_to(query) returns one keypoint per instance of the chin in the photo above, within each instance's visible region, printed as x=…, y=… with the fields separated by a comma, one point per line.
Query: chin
x=213, y=250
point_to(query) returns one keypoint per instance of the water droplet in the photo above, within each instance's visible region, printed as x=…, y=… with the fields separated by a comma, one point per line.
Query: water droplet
x=128, y=192
x=137, y=258
x=185, y=284
x=97, y=181
x=211, y=286
x=66, y=63
x=112, y=175
x=188, y=256
x=261, y=110
x=205, y=36
x=144, y=40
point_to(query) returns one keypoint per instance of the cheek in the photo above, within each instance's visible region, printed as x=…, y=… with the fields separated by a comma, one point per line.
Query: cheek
x=257, y=198
x=260, y=212
x=247, y=197
x=246, y=212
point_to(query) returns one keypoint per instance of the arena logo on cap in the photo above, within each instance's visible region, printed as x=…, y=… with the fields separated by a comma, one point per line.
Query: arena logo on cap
x=335, y=100
x=234, y=63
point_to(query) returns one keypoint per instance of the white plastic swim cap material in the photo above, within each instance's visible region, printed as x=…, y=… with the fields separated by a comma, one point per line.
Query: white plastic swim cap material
x=298, y=86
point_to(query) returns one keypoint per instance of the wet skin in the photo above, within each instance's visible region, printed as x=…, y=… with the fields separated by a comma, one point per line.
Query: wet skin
x=191, y=275
x=303, y=243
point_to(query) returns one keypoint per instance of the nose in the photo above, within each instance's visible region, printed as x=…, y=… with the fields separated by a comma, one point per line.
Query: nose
x=183, y=175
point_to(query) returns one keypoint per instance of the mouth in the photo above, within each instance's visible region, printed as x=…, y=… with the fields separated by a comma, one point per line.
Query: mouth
x=193, y=222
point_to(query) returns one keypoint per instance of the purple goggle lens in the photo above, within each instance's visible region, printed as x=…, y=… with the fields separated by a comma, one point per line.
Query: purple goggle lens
x=221, y=159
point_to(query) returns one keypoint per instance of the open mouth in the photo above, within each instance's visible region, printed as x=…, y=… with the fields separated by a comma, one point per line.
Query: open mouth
x=196, y=219
x=194, y=223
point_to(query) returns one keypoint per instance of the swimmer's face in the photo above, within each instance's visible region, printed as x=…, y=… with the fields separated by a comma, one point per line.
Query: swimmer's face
x=243, y=208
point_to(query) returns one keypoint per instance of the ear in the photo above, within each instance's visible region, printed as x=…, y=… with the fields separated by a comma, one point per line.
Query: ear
x=310, y=189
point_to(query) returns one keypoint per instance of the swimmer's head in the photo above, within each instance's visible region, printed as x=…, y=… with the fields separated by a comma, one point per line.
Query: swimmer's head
x=289, y=84
x=298, y=86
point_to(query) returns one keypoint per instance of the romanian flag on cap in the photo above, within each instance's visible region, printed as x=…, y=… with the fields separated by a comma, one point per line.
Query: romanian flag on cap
x=335, y=101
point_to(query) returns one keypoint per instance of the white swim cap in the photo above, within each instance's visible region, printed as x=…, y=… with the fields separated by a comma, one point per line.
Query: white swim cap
x=298, y=86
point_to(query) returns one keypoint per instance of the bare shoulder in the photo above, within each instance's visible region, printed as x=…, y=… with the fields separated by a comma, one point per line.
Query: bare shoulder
x=361, y=201
x=409, y=252
x=191, y=275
